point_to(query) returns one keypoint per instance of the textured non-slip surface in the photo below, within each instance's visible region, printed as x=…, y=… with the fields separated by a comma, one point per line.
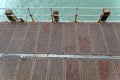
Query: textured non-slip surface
x=60, y=38
x=12, y=68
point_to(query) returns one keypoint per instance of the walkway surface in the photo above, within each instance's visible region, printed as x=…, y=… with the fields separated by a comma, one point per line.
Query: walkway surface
x=60, y=38
x=13, y=68
x=64, y=38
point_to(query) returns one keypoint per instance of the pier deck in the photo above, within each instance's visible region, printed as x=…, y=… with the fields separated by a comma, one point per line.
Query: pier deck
x=63, y=38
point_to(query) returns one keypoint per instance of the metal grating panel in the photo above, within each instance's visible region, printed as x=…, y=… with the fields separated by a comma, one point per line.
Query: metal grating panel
x=60, y=38
x=56, y=38
x=111, y=38
x=29, y=42
x=97, y=40
x=69, y=40
x=42, y=42
x=83, y=38
x=60, y=69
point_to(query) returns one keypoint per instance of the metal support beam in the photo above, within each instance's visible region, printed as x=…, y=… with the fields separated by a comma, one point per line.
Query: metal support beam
x=76, y=15
x=62, y=56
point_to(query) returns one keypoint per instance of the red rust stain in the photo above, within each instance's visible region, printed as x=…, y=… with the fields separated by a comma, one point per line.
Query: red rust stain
x=104, y=70
x=117, y=72
x=56, y=31
x=73, y=71
x=41, y=47
x=71, y=48
x=46, y=28
x=84, y=44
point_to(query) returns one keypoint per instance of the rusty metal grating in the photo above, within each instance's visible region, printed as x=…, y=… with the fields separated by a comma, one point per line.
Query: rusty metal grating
x=60, y=38
x=59, y=51
x=13, y=68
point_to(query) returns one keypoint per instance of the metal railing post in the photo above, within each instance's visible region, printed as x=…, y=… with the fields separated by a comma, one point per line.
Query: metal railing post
x=51, y=14
x=30, y=15
x=76, y=14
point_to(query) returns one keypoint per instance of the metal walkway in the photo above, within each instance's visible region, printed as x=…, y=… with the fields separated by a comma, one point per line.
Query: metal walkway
x=59, y=51
x=13, y=68
x=60, y=38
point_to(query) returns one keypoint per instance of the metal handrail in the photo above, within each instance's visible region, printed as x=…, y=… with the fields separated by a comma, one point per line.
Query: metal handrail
x=76, y=14
x=65, y=15
x=62, y=8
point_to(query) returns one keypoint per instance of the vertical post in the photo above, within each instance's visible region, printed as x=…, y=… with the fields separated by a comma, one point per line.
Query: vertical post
x=76, y=14
x=30, y=15
x=55, y=16
x=11, y=16
x=51, y=14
